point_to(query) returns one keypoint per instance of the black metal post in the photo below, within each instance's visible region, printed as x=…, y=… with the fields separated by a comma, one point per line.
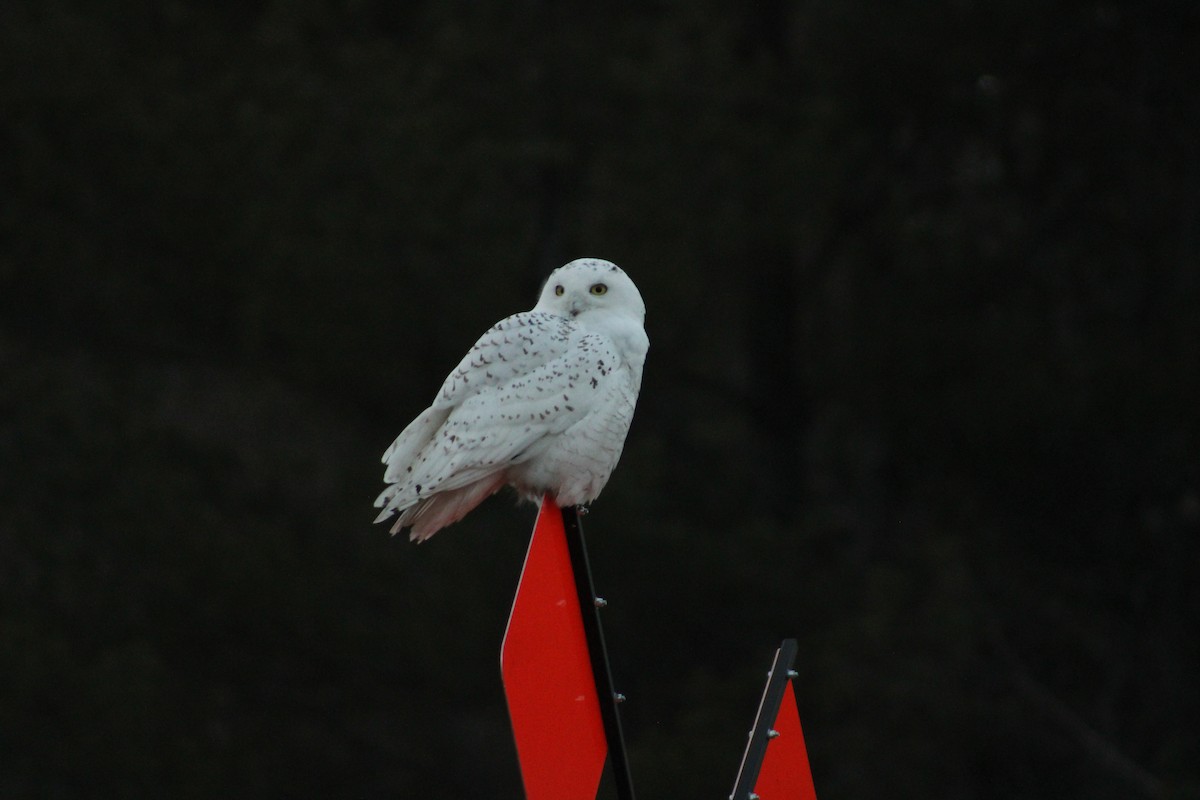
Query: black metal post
x=589, y=606
x=768, y=709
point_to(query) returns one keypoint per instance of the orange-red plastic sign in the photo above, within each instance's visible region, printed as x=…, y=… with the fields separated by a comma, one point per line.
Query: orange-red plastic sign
x=785, y=773
x=547, y=674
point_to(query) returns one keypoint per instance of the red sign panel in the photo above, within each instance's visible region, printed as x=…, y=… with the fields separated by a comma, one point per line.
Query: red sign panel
x=785, y=774
x=547, y=674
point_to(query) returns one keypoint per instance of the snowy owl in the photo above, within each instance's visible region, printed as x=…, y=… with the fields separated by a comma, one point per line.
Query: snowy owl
x=542, y=403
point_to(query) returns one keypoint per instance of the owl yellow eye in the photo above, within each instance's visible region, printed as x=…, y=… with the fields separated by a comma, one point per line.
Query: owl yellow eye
x=598, y=289
x=558, y=290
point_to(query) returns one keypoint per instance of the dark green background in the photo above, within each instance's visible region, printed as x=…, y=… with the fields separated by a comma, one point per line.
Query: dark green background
x=923, y=386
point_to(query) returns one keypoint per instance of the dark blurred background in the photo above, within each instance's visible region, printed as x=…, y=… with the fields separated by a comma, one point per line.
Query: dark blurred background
x=923, y=388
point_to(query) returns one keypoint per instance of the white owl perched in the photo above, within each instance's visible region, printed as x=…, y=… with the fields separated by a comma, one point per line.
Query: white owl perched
x=542, y=403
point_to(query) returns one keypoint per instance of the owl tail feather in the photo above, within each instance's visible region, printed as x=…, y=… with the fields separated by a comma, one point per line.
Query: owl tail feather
x=433, y=513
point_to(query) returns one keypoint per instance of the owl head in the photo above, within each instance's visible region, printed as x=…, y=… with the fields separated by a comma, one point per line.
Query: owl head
x=590, y=287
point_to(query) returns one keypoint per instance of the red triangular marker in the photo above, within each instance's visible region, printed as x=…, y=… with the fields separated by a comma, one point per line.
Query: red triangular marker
x=785, y=773
x=547, y=674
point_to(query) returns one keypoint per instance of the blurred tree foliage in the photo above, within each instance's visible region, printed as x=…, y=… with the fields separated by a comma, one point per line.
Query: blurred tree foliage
x=923, y=287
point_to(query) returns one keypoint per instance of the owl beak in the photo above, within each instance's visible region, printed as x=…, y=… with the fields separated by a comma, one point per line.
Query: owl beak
x=575, y=309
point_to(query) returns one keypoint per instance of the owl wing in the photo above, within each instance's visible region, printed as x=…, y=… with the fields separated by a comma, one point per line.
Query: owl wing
x=492, y=406
x=513, y=346
x=504, y=424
